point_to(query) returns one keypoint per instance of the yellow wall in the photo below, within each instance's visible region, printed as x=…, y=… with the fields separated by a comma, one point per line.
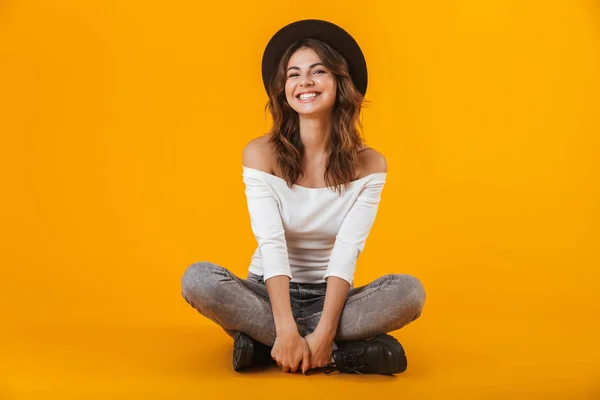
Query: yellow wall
x=123, y=124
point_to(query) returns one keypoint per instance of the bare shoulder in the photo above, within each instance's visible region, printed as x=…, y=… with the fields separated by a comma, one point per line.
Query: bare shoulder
x=371, y=162
x=257, y=154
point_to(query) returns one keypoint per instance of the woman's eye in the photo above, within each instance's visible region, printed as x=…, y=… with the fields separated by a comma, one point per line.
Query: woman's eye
x=317, y=71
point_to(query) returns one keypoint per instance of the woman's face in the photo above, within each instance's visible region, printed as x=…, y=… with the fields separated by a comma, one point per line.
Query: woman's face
x=306, y=74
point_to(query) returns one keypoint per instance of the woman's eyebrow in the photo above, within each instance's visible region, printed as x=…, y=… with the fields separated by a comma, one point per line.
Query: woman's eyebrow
x=311, y=66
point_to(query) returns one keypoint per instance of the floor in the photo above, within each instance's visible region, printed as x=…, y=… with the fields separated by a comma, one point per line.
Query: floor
x=492, y=357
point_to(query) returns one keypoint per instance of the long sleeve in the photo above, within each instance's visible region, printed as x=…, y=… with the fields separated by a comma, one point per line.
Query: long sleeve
x=353, y=233
x=267, y=227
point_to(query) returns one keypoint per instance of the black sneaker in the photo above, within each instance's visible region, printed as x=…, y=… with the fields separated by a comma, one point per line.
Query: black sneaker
x=382, y=354
x=248, y=352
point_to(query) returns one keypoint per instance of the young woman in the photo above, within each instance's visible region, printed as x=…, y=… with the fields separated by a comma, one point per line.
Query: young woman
x=312, y=189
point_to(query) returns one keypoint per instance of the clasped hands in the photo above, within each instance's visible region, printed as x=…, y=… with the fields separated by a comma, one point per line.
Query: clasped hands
x=293, y=352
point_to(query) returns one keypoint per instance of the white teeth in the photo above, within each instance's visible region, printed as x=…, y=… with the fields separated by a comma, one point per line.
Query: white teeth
x=306, y=96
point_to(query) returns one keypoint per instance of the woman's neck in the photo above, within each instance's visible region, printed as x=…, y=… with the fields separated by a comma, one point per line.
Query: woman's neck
x=315, y=133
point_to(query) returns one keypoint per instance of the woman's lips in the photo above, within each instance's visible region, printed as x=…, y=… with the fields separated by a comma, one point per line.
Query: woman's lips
x=307, y=100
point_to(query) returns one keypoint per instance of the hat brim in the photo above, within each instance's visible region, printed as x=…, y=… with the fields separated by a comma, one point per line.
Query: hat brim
x=321, y=30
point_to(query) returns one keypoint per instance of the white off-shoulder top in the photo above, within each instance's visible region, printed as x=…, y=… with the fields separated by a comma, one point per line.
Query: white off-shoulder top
x=307, y=233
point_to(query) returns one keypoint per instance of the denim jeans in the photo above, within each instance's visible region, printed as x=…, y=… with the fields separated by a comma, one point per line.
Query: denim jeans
x=384, y=305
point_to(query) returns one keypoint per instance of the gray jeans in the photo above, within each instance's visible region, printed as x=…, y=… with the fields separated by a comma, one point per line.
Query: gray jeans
x=384, y=305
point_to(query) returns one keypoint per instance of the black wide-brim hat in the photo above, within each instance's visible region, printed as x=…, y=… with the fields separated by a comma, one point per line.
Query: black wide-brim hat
x=321, y=30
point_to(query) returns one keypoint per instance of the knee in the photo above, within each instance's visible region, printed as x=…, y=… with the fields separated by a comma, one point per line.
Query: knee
x=412, y=293
x=198, y=279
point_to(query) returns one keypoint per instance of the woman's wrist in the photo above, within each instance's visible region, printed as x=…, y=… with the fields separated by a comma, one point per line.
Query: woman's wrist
x=326, y=331
x=285, y=326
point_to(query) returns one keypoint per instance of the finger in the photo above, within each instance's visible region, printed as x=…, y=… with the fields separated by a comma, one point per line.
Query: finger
x=305, y=362
x=285, y=368
x=294, y=368
x=315, y=363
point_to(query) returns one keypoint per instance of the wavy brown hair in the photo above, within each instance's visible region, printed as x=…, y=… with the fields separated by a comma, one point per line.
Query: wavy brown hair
x=346, y=137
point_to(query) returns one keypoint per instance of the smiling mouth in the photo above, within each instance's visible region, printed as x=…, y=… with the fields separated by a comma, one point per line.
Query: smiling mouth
x=304, y=98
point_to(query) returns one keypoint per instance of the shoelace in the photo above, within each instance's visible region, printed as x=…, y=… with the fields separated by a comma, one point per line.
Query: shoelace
x=350, y=360
x=331, y=368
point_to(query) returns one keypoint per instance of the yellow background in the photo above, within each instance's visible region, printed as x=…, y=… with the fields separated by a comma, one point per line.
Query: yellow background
x=123, y=124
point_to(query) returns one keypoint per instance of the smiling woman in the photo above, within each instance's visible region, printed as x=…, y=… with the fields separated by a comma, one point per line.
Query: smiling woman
x=313, y=189
x=312, y=66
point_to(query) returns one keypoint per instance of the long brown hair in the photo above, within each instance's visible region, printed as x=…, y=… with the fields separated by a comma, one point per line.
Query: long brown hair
x=346, y=135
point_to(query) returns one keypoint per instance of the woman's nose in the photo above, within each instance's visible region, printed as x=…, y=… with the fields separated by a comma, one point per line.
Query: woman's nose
x=307, y=80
